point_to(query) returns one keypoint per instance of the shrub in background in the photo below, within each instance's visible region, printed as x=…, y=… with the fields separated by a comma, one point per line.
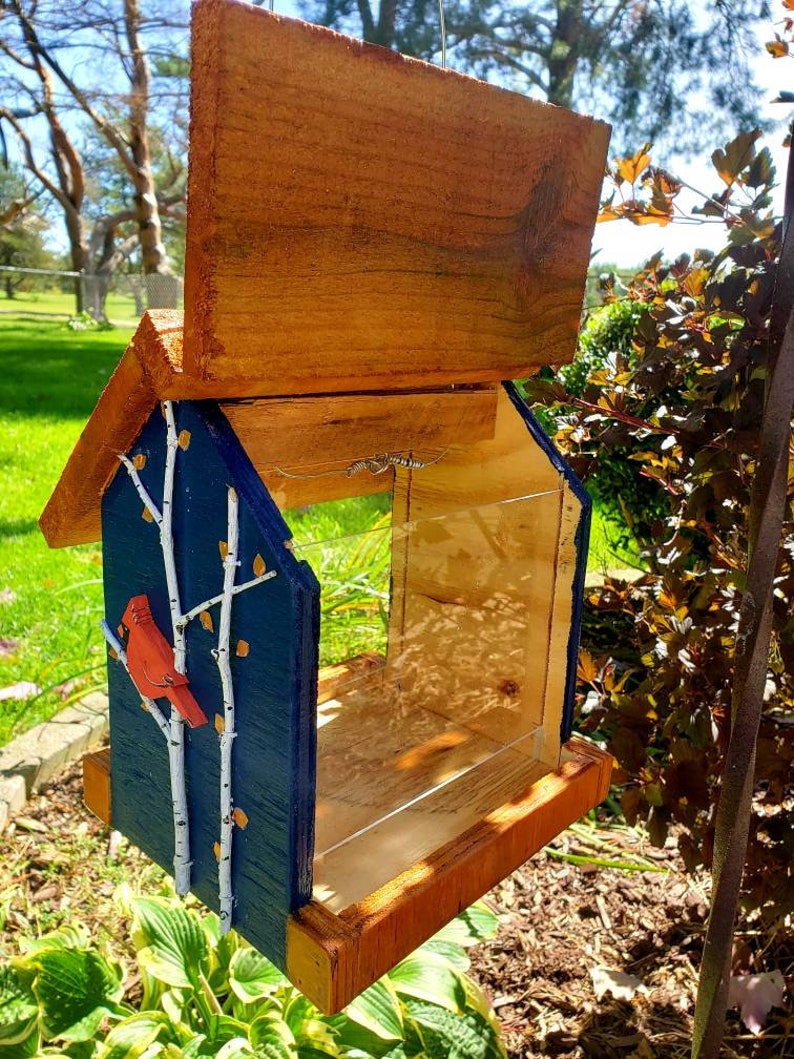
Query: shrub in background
x=685, y=405
x=632, y=502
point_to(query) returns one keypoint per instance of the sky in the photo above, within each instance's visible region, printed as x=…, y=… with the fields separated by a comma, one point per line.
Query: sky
x=626, y=245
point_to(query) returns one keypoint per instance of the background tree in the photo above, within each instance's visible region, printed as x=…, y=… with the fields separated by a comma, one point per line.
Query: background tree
x=21, y=230
x=665, y=70
x=66, y=69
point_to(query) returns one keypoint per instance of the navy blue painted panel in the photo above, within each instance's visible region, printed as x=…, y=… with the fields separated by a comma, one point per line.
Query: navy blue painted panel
x=273, y=758
x=582, y=543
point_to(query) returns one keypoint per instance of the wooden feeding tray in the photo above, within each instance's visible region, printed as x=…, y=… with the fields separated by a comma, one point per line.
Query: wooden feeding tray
x=343, y=565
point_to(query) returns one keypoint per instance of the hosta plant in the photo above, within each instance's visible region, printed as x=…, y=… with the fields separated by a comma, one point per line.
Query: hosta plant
x=205, y=995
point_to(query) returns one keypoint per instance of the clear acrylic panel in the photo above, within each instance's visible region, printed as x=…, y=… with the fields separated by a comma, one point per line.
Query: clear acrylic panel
x=433, y=648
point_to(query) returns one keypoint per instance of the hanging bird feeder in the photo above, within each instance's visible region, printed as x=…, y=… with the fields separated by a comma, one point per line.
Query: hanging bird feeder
x=343, y=564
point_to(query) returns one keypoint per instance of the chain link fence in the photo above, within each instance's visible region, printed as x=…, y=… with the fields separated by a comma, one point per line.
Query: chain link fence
x=121, y=298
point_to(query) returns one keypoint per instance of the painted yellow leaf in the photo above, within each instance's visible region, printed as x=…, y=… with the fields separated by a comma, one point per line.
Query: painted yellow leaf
x=243, y=647
x=216, y=849
x=139, y=461
x=240, y=818
x=220, y=724
x=259, y=565
x=146, y=515
x=121, y=631
x=183, y=439
x=113, y=652
x=223, y=548
x=206, y=620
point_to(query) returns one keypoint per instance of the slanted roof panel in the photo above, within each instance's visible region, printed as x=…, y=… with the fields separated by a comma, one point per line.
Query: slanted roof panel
x=358, y=219
x=72, y=514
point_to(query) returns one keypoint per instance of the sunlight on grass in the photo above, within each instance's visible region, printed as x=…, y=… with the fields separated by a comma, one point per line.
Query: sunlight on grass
x=608, y=550
x=348, y=545
x=50, y=601
x=120, y=308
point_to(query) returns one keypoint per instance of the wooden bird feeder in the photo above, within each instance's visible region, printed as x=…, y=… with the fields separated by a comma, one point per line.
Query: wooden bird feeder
x=348, y=740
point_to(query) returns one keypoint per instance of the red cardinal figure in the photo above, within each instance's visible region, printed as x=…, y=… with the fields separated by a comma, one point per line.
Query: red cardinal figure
x=150, y=660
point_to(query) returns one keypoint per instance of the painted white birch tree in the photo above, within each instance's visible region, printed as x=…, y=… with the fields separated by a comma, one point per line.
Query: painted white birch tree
x=173, y=728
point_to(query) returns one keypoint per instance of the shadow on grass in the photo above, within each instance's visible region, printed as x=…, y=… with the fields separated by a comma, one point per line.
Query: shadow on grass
x=16, y=527
x=48, y=370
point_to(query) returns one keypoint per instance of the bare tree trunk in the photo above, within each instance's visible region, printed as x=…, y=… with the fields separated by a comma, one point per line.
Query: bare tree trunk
x=130, y=139
x=565, y=52
x=68, y=186
x=147, y=214
x=78, y=253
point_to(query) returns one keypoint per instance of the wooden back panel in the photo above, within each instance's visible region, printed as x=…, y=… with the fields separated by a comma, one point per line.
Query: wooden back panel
x=302, y=446
x=360, y=220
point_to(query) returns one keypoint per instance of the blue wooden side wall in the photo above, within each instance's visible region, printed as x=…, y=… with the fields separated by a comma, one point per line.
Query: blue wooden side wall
x=274, y=753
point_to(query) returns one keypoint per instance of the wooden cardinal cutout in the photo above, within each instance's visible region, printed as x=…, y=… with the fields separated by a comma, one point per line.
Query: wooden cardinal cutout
x=150, y=659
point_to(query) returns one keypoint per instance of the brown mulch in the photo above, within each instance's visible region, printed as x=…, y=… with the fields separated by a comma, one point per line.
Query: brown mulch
x=561, y=925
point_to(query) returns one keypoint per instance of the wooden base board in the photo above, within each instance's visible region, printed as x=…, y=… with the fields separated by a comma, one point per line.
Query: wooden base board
x=96, y=783
x=333, y=957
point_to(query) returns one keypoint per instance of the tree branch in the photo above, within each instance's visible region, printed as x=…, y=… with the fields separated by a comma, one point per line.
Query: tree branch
x=42, y=53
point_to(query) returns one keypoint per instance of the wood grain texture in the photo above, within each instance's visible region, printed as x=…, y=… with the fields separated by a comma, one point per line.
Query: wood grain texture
x=96, y=765
x=96, y=784
x=72, y=514
x=301, y=447
x=561, y=661
x=331, y=679
x=570, y=572
x=358, y=219
x=332, y=957
x=274, y=682
x=392, y=789
x=299, y=435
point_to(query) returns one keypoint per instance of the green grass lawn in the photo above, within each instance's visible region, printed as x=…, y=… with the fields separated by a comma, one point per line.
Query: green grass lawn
x=50, y=601
x=120, y=308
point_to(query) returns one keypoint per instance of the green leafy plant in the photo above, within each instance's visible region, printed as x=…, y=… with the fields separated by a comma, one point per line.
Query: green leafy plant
x=632, y=504
x=685, y=406
x=203, y=994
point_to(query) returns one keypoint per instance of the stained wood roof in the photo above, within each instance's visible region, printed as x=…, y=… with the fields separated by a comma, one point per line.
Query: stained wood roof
x=358, y=222
x=363, y=220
